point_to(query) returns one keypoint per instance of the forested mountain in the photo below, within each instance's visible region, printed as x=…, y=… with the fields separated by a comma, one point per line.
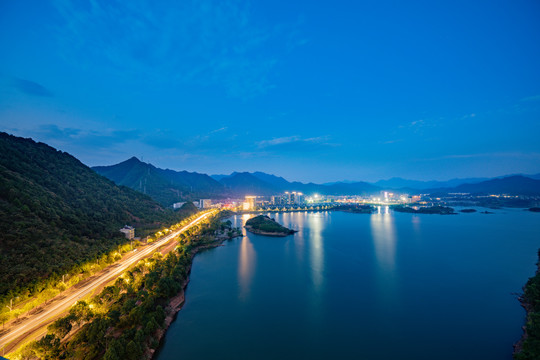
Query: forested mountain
x=165, y=186
x=168, y=186
x=356, y=188
x=241, y=184
x=55, y=212
x=276, y=181
x=259, y=183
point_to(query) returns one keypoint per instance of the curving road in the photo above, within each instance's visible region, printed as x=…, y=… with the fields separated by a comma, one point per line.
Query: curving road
x=34, y=325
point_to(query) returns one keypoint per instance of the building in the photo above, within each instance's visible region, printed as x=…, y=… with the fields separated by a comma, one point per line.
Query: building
x=249, y=203
x=205, y=203
x=178, y=205
x=278, y=200
x=129, y=232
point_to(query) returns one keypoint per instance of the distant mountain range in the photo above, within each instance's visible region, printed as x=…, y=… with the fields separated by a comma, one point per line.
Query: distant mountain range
x=510, y=185
x=165, y=186
x=400, y=183
x=169, y=186
x=265, y=184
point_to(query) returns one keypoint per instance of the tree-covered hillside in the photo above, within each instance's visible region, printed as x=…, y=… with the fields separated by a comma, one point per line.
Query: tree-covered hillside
x=165, y=186
x=55, y=212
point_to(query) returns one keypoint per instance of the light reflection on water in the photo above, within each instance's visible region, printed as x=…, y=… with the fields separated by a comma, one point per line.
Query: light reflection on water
x=246, y=263
x=246, y=267
x=361, y=286
x=384, y=239
x=316, y=249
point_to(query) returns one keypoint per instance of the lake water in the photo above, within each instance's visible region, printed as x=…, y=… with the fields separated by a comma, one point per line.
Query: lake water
x=356, y=286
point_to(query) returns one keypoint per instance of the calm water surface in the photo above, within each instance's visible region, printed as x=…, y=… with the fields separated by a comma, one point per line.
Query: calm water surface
x=382, y=286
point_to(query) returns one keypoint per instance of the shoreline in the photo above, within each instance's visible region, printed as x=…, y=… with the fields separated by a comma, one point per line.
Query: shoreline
x=518, y=346
x=176, y=303
x=265, y=233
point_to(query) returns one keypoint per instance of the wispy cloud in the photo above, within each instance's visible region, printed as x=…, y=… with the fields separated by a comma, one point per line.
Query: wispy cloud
x=278, y=141
x=391, y=141
x=202, y=42
x=31, y=87
x=415, y=125
x=296, y=143
x=218, y=130
x=531, y=98
x=89, y=138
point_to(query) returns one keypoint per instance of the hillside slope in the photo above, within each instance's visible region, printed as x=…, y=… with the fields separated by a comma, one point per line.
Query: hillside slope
x=165, y=186
x=55, y=212
x=244, y=183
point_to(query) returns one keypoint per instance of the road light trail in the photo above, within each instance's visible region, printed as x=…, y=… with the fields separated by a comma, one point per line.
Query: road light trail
x=32, y=323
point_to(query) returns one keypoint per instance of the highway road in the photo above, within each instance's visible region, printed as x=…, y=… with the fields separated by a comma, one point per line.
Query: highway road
x=35, y=324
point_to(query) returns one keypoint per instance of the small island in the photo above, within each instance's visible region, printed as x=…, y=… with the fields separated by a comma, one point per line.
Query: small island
x=534, y=209
x=441, y=210
x=468, y=210
x=264, y=225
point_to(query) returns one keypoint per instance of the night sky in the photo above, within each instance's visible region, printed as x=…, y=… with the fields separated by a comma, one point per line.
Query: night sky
x=309, y=90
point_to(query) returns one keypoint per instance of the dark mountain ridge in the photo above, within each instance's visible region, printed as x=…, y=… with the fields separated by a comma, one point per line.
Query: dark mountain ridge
x=165, y=186
x=169, y=186
x=259, y=183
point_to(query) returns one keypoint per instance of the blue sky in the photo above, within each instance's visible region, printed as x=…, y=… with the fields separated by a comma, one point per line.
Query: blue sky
x=312, y=91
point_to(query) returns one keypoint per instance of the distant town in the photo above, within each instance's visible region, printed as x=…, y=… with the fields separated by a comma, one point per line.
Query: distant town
x=297, y=201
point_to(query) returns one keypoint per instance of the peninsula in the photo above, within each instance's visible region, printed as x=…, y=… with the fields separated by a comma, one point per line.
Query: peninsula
x=356, y=209
x=442, y=210
x=264, y=225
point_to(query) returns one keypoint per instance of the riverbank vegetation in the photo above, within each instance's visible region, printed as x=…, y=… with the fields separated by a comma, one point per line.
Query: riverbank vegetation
x=529, y=347
x=26, y=301
x=125, y=320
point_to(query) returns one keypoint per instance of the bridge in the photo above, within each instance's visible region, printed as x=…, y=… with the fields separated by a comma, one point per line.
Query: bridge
x=289, y=208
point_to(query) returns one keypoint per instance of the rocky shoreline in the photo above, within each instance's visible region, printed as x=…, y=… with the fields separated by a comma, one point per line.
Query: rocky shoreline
x=265, y=233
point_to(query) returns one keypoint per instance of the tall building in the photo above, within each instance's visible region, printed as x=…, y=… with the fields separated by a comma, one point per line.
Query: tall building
x=206, y=203
x=249, y=203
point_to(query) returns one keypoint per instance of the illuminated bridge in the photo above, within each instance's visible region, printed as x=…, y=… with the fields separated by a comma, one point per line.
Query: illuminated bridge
x=275, y=208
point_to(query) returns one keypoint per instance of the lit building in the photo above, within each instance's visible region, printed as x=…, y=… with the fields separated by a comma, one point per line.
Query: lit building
x=205, y=203
x=128, y=231
x=249, y=204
